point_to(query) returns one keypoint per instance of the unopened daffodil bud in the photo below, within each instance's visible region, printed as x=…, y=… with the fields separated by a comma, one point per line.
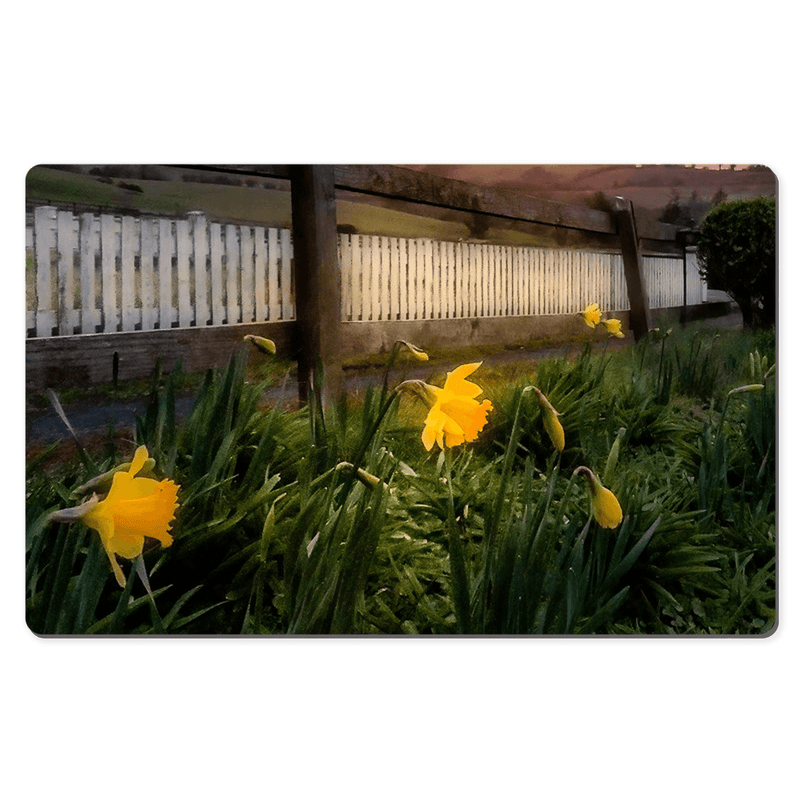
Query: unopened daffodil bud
x=613, y=457
x=605, y=506
x=415, y=351
x=261, y=344
x=550, y=419
x=369, y=480
x=751, y=387
x=423, y=390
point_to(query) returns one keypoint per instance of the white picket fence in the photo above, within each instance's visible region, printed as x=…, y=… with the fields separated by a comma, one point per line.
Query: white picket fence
x=92, y=273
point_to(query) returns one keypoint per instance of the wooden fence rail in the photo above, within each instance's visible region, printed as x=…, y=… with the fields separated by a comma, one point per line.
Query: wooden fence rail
x=93, y=273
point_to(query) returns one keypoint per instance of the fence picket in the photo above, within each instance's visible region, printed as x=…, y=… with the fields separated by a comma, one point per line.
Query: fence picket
x=273, y=296
x=436, y=280
x=260, y=273
x=108, y=263
x=382, y=265
x=516, y=278
x=413, y=285
x=287, y=288
x=488, y=281
x=452, y=279
x=357, y=278
x=443, y=273
x=44, y=243
x=473, y=280
x=246, y=273
x=509, y=285
x=128, y=274
x=146, y=266
x=346, y=271
x=164, y=274
x=65, y=239
x=402, y=279
x=394, y=279
x=232, y=274
x=458, y=252
x=183, y=249
x=217, y=304
x=87, y=235
x=200, y=249
x=428, y=279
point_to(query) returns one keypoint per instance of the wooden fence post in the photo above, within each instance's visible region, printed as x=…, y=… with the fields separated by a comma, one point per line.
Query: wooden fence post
x=317, y=280
x=632, y=261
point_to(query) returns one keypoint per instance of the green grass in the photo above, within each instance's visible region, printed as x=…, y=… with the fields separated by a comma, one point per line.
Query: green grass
x=253, y=206
x=279, y=532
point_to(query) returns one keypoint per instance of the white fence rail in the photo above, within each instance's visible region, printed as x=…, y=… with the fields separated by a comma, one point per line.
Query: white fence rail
x=92, y=273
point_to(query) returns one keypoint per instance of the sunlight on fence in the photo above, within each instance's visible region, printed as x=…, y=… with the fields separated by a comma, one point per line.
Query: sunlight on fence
x=93, y=273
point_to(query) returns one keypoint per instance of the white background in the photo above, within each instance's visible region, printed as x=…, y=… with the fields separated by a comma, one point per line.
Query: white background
x=413, y=83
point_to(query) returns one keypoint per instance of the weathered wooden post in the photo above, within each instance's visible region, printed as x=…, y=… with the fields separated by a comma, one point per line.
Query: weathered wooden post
x=632, y=260
x=317, y=281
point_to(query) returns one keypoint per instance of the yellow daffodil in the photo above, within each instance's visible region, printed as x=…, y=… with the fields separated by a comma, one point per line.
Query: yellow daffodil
x=455, y=416
x=133, y=509
x=614, y=327
x=605, y=506
x=550, y=419
x=591, y=314
x=261, y=344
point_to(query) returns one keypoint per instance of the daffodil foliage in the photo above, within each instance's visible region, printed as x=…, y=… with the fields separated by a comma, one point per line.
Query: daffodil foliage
x=626, y=492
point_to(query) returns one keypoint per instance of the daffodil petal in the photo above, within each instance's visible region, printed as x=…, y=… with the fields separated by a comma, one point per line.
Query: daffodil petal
x=139, y=457
x=456, y=384
x=434, y=426
x=104, y=525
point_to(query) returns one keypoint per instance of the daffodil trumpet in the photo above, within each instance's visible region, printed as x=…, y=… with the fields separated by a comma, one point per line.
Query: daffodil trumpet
x=605, y=506
x=135, y=508
x=591, y=315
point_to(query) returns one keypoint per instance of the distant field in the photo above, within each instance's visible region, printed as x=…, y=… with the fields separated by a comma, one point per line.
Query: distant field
x=272, y=207
x=269, y=207
x=649, y=186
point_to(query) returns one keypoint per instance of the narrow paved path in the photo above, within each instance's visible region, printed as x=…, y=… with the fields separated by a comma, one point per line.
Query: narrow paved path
x=90, y=418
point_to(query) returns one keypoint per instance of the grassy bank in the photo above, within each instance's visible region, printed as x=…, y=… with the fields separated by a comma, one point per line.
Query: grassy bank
x=340, y=521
